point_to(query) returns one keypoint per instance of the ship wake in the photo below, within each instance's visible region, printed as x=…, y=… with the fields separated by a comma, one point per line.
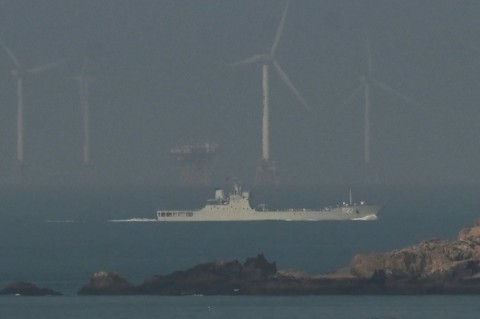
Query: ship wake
x=134, y=220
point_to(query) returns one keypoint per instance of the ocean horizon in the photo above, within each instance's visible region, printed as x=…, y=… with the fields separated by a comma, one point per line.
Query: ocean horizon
x=58, y=239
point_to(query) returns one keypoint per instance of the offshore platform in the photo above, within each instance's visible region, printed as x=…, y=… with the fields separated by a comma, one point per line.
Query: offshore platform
x=194, y=163
x=266, y=174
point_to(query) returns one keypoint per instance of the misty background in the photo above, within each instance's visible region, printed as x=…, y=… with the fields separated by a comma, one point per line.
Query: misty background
x=162, y=80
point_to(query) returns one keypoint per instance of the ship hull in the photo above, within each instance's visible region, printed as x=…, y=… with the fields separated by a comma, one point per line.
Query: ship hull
x=226, y=214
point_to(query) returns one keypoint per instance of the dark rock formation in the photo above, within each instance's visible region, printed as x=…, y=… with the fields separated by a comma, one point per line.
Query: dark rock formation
x=257, y=268
x=430, y=267
x=212, y=278
x=105, y=283
x=27, y=289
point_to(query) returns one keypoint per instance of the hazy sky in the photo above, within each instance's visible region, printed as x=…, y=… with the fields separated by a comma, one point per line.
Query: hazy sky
x=162, y=81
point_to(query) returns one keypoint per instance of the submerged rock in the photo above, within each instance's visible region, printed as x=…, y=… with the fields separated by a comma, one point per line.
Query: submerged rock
x=22, y=288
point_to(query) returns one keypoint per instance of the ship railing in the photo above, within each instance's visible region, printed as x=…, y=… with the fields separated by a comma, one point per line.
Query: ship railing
x=175, y=213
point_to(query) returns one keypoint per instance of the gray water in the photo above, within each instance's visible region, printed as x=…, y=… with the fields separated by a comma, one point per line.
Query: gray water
x=57, y=238
x=334, y=307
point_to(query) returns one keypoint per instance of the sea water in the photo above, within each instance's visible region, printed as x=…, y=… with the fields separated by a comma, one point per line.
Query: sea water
x=314, y=307
x=58, y=238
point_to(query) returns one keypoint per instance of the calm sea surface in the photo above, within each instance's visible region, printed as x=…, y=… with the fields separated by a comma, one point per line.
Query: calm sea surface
x=346, y=307
x=57, y=238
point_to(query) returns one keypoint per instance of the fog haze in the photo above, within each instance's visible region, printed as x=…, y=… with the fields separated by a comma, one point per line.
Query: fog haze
x=162, y=80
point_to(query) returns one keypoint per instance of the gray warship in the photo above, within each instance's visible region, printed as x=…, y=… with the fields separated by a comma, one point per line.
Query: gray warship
x=236, y=207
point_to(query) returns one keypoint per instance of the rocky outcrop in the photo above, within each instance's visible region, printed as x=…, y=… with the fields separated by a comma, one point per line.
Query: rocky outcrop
x=431, y=267
x=429, y=259
x=106, y=283
x=471, y=233
x=256, y=276
x=210, y=278
x=213, y=278
x=22, y=288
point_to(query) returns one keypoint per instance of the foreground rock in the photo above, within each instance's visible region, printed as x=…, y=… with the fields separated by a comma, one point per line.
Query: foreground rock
x=430, y=267
x=213, y=278
x=27, y=289
x=105, y=283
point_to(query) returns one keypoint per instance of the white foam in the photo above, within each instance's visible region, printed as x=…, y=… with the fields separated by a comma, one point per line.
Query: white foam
x=368, y=217
x=133, y=220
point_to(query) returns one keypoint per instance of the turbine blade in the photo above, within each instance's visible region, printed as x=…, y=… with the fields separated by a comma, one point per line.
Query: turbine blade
x=289, y=83
x=42, y=68
x=354, y=93
x=394, y=92
x=369, y=58
x=254, y=59
x=10, y=54
x=83, y=76
x=279, y=33
x=76, y=78
x=84, y=67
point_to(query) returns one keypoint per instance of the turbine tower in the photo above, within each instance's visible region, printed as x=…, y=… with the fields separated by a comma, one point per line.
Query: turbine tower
x=19, y=73
x=84, y=80
x=368, y=82
x=266, y=169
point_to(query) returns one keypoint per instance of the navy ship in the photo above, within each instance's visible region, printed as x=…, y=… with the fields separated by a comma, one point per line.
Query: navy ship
x=236, y=207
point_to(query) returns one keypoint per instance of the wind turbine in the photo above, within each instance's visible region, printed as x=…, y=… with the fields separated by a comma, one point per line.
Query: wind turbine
x=368, y=81
x=19, y=73
x=84, y=80
x=266, y=170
